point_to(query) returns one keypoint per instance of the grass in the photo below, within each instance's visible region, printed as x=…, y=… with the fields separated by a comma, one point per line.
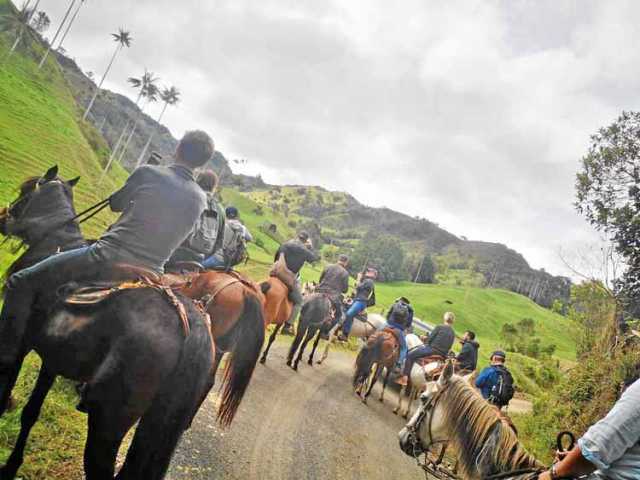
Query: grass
x=39, y=127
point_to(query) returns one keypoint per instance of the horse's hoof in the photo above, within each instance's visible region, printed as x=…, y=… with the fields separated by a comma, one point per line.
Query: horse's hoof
x=395, y=411
x=310, y=363
x=364, y=400
x=263, y=360
x=7, y=473
x=288, y=363
x=381, y=400
x=405, y=415
x=295, y=367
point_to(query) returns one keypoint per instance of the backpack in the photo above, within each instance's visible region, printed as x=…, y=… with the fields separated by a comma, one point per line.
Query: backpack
x=502, y=391
x=234, y=249
x=399, y=314
x=205, y=232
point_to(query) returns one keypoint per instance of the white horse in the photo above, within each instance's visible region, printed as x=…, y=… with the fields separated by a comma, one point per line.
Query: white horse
x=419, y=376
x=359, y=329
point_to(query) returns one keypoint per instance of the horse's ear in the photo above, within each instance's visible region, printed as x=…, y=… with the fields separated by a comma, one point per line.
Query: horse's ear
x=265, y=287
x=51, y=174
x=73, y=182
x=446, y=374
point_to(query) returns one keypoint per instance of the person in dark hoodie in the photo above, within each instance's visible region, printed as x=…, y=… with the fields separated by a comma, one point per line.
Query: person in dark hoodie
x=467, y=359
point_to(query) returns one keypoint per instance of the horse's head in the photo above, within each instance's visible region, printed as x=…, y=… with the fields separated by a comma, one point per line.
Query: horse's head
x=42, y=202
x=428, y=426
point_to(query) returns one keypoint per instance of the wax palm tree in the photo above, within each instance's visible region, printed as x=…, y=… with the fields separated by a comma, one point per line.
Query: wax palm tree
x=146, y=88
x=19, y=24
x=170, y=96
x=73, y=19
x=55, y=37
x=122, y=39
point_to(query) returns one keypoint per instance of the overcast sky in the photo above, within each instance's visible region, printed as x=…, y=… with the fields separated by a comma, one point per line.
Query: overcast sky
x=473, y=114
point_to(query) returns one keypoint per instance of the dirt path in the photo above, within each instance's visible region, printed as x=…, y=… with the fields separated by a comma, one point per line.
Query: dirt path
x=305, y=425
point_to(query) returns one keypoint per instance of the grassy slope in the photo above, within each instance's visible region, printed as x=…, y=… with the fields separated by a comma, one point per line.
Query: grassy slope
x=38, y=128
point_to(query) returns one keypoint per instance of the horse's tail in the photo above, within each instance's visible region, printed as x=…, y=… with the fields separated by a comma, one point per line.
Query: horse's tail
x=173, y=407
x=366, y=357
x=248, y=337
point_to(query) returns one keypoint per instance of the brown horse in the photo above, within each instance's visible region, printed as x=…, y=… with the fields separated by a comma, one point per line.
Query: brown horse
x=381, y=351
x=235, y=305
x=277, y=309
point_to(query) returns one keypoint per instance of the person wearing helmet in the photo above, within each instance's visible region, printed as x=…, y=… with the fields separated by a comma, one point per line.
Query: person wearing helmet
x=400, y=318
x=296, y=252
x=234, y=243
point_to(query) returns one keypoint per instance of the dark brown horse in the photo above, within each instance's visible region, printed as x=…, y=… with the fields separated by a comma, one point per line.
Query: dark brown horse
x=131, y=351
x=315, y=314
x=381, y=351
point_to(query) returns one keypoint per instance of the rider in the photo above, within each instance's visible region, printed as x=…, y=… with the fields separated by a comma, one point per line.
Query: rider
x=206, y=237
x=334, y=282
x=610, y=449
x=296, y=253
x=467, y=359
x=234, y=242
x=495, y=382
x=400, y=318
x=159, y=206
x=439, y=342
x=365, y=296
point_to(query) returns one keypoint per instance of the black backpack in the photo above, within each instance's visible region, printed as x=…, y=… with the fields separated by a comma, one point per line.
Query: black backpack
x=502, y=391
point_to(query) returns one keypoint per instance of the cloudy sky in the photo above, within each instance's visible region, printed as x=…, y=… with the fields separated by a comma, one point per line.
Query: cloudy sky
x=473, y=114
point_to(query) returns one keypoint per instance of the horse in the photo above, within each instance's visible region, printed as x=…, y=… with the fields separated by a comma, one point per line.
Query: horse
x=361, y=328
x=236, y=306
x=315, y=313
x=277, y=309
x=140, y=359
x=453, y=413
x=381, y=351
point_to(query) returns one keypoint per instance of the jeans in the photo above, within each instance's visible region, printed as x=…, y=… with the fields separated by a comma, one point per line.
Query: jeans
x=415, y=354
x=213, y=262
x=24, y=288
x=403, y=341
x=355, y=308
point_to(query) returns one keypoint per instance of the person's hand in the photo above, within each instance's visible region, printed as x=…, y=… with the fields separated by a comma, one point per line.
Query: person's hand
x=308, y=243
x=561, y=456
x=545, y=476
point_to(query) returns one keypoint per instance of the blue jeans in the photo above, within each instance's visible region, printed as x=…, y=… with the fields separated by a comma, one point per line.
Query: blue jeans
x=415, y=354
x=355, y=308
x=403, y=341
x=213, y=262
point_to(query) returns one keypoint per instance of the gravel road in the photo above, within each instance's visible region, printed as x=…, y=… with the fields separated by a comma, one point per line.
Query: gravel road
x=305, y=425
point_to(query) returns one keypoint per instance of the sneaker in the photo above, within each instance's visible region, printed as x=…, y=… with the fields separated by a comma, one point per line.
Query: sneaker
x=343, y=338
x=403, y=380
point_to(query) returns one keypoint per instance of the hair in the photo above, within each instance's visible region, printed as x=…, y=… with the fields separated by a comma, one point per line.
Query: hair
x=343, y=258
x=483, y=441
x=231, y=212
x=304, y=236
x=195, y=149
x=471, y=334
x=208, y=181
x=498, y=358
x=449, y=317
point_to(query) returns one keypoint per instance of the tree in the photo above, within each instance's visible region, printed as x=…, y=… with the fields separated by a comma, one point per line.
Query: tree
x=73, y=19
x=382, y=252
x=509, y=334
x=55, y=37
x=170, y=96
x=40, y=22
x=149, y=91
x=18, y=24
x=608, y=195
x=122, y=39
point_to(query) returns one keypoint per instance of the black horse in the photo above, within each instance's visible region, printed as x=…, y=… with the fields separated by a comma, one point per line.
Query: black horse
x=131, y=351
x=315, y=314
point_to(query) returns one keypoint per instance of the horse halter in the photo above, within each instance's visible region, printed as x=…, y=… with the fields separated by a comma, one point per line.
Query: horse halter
x=427, y=410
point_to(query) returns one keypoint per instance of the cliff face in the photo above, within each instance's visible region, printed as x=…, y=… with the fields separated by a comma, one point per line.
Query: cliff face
x=336, y=221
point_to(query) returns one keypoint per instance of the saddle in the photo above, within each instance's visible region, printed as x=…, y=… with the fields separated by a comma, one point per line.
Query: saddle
x=280, y=271
x=124, y=277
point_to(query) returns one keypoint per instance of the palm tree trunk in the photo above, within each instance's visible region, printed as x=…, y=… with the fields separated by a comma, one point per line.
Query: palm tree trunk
x=146, y=146
x=73, y=19
x=133, y=131
x=113, y=155
x=55, y=37
x=95, y=94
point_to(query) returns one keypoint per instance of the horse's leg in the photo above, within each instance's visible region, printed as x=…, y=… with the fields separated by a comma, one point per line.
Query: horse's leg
x=9, y=382
x=300, y=332
x=30, y=414
x=332, y=338
x=311, y=331
x=401, y=393
x=412, y=396
x=210, y=384
x=384, y=384
x=272, y=338
x=373, y=381
x=315, y=345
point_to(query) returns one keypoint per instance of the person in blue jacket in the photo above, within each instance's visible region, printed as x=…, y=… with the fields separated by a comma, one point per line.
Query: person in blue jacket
x=495, y=382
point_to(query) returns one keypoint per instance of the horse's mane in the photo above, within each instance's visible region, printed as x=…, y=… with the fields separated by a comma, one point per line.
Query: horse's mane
x=485, y=444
